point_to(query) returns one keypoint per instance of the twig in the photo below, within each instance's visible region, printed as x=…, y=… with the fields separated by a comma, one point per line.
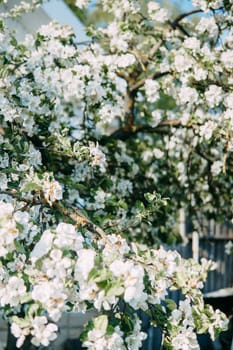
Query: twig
x=21, y=199
x=80, y=219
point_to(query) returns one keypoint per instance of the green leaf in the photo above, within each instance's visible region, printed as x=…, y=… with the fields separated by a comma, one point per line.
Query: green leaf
x=93, y=274
x=19, y=247
x=25, y=298
x=101, y=323
x=32, y=311
x=22, y=322
x=31, y=186
x=110, y=330
x=171, y=305
x=115, y=289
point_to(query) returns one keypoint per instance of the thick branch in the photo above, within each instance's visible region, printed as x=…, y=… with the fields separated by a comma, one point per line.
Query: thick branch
x=163, y=124
x=123, y=75
x=79, y=218
x=73, y=213
x=141, y=82
x=184, y=15
x=125, y=133
x=180, y=27
x=130, y=106
x=176, y=23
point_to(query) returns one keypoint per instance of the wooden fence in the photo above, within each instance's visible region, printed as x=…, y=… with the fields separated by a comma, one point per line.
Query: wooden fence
x=209, y=244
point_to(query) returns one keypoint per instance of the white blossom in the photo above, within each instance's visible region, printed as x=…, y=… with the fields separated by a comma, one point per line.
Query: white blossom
x=152, y=90
x=216, y=167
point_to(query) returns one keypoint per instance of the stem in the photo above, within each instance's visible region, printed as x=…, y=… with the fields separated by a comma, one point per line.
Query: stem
x=162, y=340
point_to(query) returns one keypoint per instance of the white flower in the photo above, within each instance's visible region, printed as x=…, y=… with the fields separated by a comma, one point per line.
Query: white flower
x=4, y=161
x=207, y=24
x=97, y=156
x=186, y=340
x=14, y=291
x=67, y=237
x=6, y=210
x=118, y=39
x=98, y=339
x=100, y=198
x=56, y=266
x=125, y=60
x=133, y=282
x=205, y=5
x=42, y=332
x=188, y=95
x=52, y=295
x=229, y=247
x=114, y=248
x=216, y=168
x=124, y=187
x=200, y=73
x=8, y=229
x=214, y=95
x=85, y=263
x=156, y=13
x=22, y=217
x=52, y=191
x=33, y=156
x=134, y=341
x=43, y=246
x=207, y=129
x=19, y=333
x=227, y=58
x=3, y=181
x=158, y=153
x=182, y=62
x=219, y=322
x=152, y=90
x=192, y=43
x=156, y=117
x=228, y=101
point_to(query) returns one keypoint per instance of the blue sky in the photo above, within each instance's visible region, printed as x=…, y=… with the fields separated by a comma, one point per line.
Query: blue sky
x=185, y=5
x=57, y=10
x=60, y=12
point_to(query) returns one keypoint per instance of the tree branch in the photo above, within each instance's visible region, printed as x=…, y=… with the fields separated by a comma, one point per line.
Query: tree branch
x=79, y=218
x=123, y=75
x=32, y=201
x=180, y=27
x=74, y=213
x=176, y=23
x=184, y=15
x=141, y=82
x=126, y=132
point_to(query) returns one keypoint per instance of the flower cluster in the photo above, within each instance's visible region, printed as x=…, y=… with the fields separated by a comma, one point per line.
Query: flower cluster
x=66, y=271
x=89, y=137
x=229, y=247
